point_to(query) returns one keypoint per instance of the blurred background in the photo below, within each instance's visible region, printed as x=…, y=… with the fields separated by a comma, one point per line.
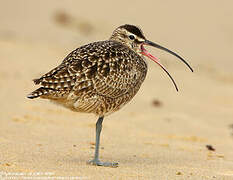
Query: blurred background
x=36, y=36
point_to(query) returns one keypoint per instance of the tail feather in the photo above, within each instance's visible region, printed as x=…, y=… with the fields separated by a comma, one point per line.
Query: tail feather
x=39, y=92
x=37, y=81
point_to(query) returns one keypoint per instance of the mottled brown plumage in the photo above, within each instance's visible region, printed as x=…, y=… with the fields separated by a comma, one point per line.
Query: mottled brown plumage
x=100, y=77
x=96, y=78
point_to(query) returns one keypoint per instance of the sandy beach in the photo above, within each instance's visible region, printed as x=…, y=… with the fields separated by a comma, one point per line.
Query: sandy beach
x=161, y=134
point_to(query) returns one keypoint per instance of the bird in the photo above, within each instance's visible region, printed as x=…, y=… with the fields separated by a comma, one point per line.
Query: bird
x=101, y=77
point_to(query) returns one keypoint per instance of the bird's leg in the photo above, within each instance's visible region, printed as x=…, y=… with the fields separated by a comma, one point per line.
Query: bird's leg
x=96, y=160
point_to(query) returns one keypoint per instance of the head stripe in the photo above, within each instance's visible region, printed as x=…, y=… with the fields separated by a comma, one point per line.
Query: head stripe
x=134, y=30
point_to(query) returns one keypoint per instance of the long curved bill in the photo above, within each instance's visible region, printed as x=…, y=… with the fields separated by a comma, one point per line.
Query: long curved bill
x=146, y=53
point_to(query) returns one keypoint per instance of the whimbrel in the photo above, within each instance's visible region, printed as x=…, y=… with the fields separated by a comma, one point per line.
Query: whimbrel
x=101, y=77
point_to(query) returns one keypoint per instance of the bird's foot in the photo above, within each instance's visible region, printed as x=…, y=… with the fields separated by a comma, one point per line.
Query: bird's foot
x=97, y=162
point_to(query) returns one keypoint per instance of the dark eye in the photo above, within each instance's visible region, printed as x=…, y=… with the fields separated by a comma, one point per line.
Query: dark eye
x=132, y=37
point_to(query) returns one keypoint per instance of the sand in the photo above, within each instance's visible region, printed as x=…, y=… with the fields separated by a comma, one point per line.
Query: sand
x=161, y=134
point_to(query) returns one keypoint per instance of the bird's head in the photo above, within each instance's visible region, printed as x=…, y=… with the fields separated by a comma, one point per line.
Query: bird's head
x=130, y=36
x=133, y=37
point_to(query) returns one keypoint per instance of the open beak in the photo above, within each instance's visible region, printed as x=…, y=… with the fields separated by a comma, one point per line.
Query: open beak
x=146, y=53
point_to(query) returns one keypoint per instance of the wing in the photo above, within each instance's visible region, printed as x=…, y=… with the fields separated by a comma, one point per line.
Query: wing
x=106, y=68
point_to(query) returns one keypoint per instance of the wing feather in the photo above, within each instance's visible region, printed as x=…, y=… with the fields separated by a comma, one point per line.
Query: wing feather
x=105, y=68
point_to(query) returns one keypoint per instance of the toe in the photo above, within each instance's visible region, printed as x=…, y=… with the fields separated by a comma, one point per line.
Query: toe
x=99, y=163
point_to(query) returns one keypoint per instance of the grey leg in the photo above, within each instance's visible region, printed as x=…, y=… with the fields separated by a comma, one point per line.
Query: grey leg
x=96, y=160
